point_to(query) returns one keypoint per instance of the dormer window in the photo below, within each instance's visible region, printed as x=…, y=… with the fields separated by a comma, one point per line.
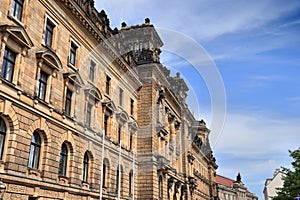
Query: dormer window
x=17, y=9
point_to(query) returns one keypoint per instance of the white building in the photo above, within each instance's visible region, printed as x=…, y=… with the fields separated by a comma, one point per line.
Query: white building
x=272, y=183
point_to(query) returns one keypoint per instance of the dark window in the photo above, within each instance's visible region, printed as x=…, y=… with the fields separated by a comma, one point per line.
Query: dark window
x=8, y=64
x=106, y=117
x=17, y=9
x=85, y=168
x=35, y=149
x=104, y=174
x=2, y=136
x=118, y=177
x=107, y=88
x=141, y=46
x=62, y=170
x=119, y=133
x=160, y=187
x=92, y=71
x=121, y=97
x=72, y=57
x=68, y=102
x=130, y=182
x=130, y=142
x=88, y=114
x=49, y=33
x=42, y=85
x=131, y=106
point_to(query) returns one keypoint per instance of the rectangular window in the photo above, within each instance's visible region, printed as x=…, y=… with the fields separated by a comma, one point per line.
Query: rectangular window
x=88, y=114
x=17, y=9
x=121, y=97
x=131, y=106
x=107, y=85
x=72, y=57
x=92, y=71
x=49, y=33
x=68, y=102
x=106, y=124
x=119, y=133
x=8, y=64
x=42, y=85
x=130, y=141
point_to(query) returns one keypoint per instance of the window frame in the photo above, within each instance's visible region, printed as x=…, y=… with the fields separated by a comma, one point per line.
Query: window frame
x=35, y=151
x=88, y=119
x=49, y=29
x=85, y=171
x=121, y=95
x=42, y=84
x=131, y=182
x=63, y=160
x=119, y=133
x=131, y=106
x=16, y=12
x=8, y=64
x=92, y=71
x=68, y=102
x=73, y=53
x=107, y=85
x=3, y=134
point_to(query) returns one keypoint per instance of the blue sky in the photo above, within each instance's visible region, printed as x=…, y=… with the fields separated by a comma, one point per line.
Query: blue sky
x=255, y=45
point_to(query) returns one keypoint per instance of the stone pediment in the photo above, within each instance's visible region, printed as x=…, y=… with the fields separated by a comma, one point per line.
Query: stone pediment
x=49, y=58
x=18, y=34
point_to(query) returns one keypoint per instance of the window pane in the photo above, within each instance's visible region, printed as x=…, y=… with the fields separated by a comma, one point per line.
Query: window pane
x=63, y=160
x=68, y=102
x=17, y=8
x=49, y=33
x=92, y=71
x=42, y=85
x=2, y=136
x=35, y=149
x=72, y=54
x=8, y=64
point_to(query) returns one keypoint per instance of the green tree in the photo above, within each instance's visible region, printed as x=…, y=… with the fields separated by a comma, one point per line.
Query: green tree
x=291, y=185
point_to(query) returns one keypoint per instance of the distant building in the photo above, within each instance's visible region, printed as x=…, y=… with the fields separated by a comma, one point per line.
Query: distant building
x=272, y=183
x=229, y=189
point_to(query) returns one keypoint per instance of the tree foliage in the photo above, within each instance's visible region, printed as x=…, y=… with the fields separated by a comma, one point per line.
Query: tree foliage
x=291, y=185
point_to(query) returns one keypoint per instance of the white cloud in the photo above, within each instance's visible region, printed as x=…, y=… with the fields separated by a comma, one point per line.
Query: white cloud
x=255, y=144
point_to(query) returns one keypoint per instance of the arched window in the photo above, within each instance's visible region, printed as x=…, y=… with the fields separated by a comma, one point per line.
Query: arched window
x=119, y=176
x=35, y=150
x=131, y=182
x=104, y=174
x=160, y=187
x=105, y=168
x=2, y=136
x=62, y=169
x=85, y=171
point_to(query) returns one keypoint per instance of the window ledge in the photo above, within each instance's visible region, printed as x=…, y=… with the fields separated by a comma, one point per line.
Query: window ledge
x=11, y=17
x=63, y=179
x=72, y=66
x=34, y=172
x=85, y=185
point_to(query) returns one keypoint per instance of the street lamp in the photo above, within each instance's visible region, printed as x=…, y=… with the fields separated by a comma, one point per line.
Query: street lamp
x=2, y=190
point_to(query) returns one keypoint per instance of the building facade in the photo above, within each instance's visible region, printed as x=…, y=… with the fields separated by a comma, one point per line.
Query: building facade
x=229, y=189
x=89, y=112
x=272, y=184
